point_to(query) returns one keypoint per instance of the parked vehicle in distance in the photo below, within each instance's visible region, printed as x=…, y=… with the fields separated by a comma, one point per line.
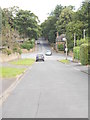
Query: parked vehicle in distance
x=39, y=57
x=38, y=42
x=48, y=53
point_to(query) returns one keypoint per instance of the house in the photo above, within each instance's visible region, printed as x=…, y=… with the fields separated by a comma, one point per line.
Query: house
x=59, y=40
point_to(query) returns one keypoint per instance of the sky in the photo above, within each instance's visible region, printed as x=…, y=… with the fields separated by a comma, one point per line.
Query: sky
x=41, y=8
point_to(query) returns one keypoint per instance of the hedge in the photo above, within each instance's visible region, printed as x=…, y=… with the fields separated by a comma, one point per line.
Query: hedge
x=60, y=47
x=82, y=41
x=84, y=54
x=76, y=53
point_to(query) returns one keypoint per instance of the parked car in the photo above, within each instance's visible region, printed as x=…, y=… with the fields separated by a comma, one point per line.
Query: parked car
x=39, y=57
x=48, y=53
x=38, y=42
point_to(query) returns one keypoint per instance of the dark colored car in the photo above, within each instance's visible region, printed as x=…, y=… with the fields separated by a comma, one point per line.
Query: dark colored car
x=39, y=57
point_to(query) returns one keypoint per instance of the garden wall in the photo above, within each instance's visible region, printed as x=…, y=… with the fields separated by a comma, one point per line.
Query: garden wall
x=6, y=58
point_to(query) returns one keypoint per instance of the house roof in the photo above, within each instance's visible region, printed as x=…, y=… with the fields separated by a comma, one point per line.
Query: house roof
x=60, y=38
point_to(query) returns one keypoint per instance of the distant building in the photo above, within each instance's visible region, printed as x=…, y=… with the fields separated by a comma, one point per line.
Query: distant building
x=59, y=40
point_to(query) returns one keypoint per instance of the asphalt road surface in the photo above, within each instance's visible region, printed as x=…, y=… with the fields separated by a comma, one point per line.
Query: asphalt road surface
x=49, y=89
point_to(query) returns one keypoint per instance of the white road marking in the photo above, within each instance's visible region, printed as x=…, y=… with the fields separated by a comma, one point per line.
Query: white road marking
x=77, y=69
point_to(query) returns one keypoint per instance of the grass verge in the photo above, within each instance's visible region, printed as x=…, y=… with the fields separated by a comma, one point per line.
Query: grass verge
x=23, y=62
x=65, y=61
x=8, y=72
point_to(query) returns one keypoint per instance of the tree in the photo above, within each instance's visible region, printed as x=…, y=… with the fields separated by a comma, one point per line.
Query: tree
x=49, y=29
x=64, y=18
x=83, y=14
x=27, y=24
x=71, y=28
x=49, y=26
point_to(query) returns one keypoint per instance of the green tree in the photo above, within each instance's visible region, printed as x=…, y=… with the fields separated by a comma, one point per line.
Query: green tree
x=27, y=24
x=49, y=26
x=71, y=28
x=64, y=18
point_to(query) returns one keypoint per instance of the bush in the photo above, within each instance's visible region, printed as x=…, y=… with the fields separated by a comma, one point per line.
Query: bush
x=27, y=45
x=7, y=51
x=82, y=41
x=15, y=49
x=76, y=53
x=84, y=54
x=4, y=51
x=89, y=53
x=19, y=51
x=60, y=47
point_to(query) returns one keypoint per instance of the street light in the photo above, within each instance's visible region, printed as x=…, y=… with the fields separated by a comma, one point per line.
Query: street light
x=66, y=49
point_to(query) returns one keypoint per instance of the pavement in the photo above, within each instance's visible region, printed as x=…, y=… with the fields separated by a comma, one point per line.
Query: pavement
x=7, y=82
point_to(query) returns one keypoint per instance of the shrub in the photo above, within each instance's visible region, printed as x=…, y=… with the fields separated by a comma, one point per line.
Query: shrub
x=82, y=41
x=60, y=47
x=19, y=51
x=76, y=52
x=15, y=49
x=84, y=54
x=7, y=51
x=27, y=45
x=89, y=53
x=31, y=46
x=4, y=51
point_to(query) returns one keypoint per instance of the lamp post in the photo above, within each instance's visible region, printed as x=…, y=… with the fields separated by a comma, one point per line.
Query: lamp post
x=66, y=49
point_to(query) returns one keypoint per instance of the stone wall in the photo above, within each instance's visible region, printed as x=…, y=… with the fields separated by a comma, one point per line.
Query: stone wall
x=7, y=58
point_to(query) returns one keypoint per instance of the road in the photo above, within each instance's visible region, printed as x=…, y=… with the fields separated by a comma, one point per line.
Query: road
x=41, y=48
x=49, y=89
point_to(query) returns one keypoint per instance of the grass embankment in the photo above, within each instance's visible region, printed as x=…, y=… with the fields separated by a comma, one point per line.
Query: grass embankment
x=65, y=61
x=23, y=62
x=8, y=72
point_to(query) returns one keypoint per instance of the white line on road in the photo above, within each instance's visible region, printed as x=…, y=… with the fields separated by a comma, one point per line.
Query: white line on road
x=77, y=69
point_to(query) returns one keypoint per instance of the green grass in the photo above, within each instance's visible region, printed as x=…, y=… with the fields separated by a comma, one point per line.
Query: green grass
x=8, y=72
x=65, y=61
x=23, y=62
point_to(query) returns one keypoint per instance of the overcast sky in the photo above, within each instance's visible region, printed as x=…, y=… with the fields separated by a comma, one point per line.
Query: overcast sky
x=41, y=8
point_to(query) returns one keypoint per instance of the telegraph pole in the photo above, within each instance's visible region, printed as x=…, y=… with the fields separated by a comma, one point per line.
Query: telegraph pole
x=66, y=49
x=84, y=34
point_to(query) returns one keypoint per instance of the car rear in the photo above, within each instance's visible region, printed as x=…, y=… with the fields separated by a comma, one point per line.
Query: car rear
x=39, y=57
